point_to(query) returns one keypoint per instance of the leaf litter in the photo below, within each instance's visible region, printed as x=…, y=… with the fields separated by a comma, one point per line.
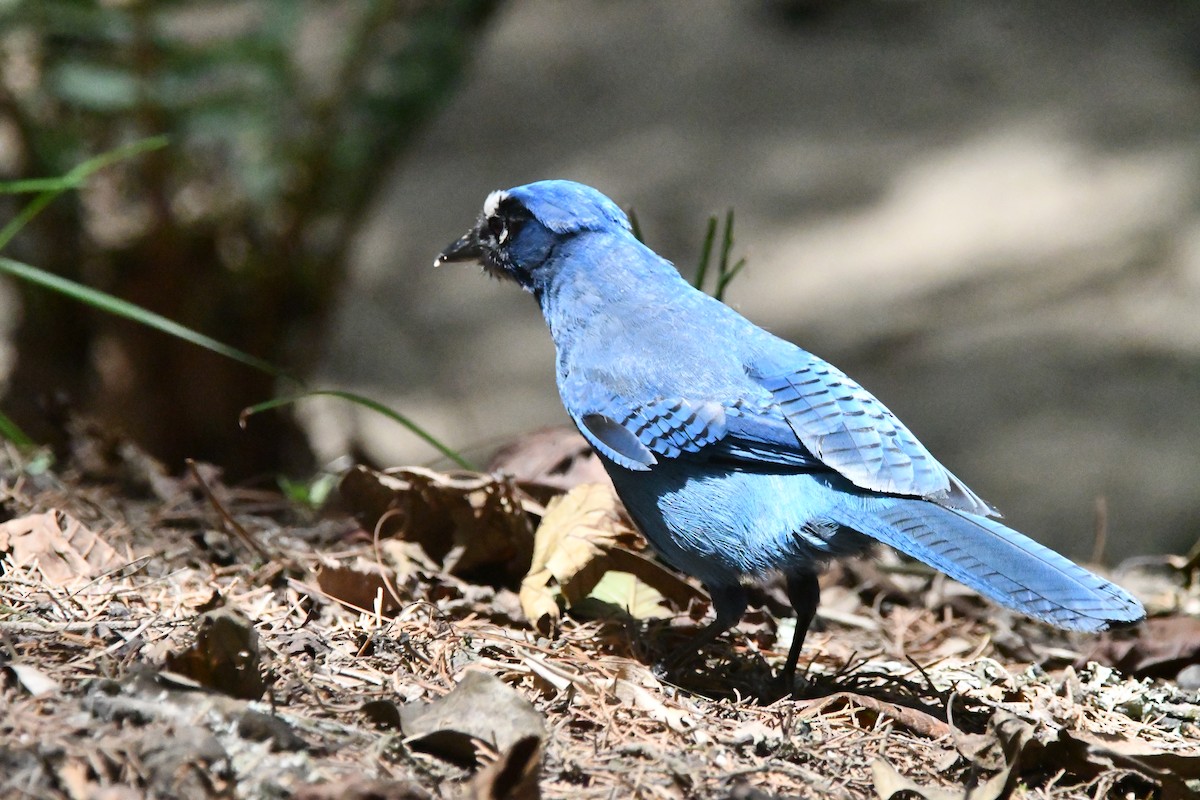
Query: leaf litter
x=488, y=635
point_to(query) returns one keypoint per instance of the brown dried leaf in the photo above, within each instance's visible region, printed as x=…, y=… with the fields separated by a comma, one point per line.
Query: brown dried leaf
x=915, y=720
x=75, y=780
x=406, y=558
x=62, y=547
x=889, y=783
x=566, y=545
x=514, y=776
x=1158, y=648
x=625, y=592
x=225, y=655
x=549, y=462
x=1010, y=739
x=1179, y=763
x=1082, y=753
x=360, y=585
x=1089, y=755
x=481, y=707
x=469, y=523
x=677, y=591
x=103, y=455
x=569, y=550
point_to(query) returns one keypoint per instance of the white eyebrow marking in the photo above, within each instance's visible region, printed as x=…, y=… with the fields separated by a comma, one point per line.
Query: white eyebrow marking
x=492, y=204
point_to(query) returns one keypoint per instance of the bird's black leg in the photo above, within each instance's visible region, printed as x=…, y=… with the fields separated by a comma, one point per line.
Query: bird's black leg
x=804, y=592
x=729, y=603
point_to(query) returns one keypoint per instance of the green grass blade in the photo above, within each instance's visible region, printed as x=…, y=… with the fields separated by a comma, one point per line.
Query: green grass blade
x=32, y=185
x=726, y=278
x=73, y=180
x=726, y=273
x=726, y=243
x=11, y=431
x=710, y=236
x=365, y=402
x=103, y=301
x=635, y=226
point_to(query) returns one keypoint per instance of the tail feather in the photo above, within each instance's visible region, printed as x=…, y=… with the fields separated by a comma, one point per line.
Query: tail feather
x=1000, y=563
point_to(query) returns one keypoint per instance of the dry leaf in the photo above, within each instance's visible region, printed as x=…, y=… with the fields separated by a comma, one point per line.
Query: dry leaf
x=406, y=558
x=549, y=462
x=35, y=681
x=73, y=774
x=1158, y=648
x=582, y=541
x=1088, y=754
x=256, y=726
x=481, y=707
x=1082, y=753
x=565, y=546
x=359, y=585
x=629, y=688
x=1012, y=740
x=102, y=455
x=568, y=549
x=468, y=523
x=889, y=783
x=225, y=655
x=625, y=591
x=514, y=776
x=677, y=591
x=915, y=720
x=62, y=547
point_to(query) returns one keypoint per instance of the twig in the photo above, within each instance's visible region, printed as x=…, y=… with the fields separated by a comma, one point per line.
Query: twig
x=386, y=573
x=19, y=626
x=231, y=525
x=917, y=721
x=133, y=567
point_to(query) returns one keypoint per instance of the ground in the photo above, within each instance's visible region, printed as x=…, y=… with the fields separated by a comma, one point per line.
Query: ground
x=171, y=636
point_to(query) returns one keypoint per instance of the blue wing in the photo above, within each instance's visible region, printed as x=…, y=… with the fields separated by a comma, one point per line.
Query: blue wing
x=846, y=428
x=804, y=415
x=638, y=436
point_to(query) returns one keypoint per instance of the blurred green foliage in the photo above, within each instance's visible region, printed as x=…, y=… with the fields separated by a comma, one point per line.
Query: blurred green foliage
x=284, y=117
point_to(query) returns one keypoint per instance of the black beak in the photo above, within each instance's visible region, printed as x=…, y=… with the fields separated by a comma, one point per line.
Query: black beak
x=467, y=248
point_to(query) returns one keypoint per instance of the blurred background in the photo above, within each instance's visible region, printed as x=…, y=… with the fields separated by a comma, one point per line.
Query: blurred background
x=988, y=213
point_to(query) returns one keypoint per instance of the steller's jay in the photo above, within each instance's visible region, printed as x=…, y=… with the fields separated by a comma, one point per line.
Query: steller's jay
x=738, y=453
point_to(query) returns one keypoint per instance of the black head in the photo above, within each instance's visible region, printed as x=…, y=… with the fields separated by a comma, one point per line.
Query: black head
x=490, y=242
x=520, y=227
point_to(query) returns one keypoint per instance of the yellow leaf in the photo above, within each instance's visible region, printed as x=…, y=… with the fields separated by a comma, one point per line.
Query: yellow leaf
x=624, y=590
x=573, y=536
x=580, y=552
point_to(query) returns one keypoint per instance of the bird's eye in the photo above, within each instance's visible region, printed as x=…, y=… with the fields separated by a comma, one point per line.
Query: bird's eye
x=496, y=226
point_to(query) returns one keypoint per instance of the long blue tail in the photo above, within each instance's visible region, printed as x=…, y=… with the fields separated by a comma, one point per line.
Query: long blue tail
x=998, y=562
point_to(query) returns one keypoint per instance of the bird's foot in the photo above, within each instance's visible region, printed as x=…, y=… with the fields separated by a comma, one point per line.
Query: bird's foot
x=788, y=685
x=671, y=663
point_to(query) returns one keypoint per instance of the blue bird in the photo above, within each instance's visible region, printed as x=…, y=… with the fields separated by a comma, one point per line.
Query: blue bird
x=739, y=454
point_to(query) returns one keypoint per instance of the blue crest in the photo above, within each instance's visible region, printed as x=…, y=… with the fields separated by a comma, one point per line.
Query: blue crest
x=568, y=207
